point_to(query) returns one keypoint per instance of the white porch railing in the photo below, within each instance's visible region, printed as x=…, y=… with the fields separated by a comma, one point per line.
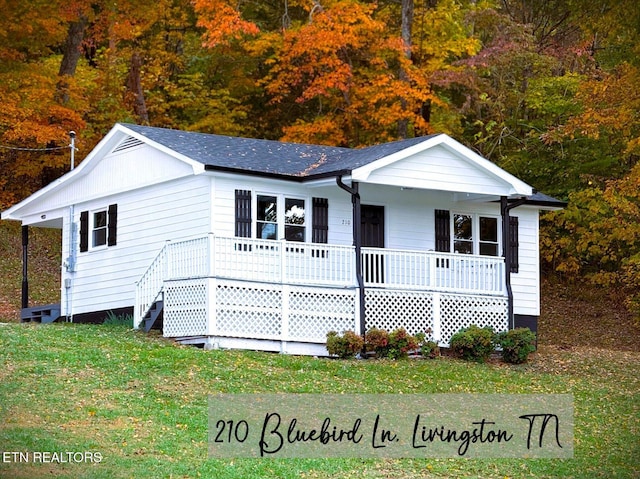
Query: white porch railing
x=429, y=270
x=315, y=264
x=283, y=262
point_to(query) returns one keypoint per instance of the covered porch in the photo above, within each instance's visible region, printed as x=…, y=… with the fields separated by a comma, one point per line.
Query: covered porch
x=285, y=296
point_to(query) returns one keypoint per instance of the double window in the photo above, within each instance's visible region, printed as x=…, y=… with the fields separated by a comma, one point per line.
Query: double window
x=272, y=221
x=280, y=217
x=469, y=233
x=475, y=234
x=98, y=228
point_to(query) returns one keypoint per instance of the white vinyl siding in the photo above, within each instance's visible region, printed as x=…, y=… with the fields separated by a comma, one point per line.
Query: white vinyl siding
x=147, y=218
x=526, y=283
x=439, y=169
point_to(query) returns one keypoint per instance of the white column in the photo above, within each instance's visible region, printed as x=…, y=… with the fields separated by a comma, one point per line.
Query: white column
x=437, y=335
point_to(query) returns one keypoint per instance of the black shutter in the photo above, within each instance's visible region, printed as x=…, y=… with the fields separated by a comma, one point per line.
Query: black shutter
x=320, y=221
x=443, y=231
x=112, y=225
x=84, y=231
x=514, y=243
x=243, y=213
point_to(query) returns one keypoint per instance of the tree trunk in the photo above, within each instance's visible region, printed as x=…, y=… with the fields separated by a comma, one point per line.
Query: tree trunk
x=134, y=88
x=407, y=22
x=70, y=57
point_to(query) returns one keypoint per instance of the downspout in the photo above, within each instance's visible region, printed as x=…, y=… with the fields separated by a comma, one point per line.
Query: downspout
x=25, y=259
x=505, y=208
x=357, y=243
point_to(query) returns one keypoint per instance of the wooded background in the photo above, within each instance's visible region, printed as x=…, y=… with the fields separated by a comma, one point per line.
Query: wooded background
x=547, y=89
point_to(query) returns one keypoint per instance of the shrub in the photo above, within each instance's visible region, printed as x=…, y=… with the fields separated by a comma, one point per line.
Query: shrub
x=473, y=343
x=377, y=340
x=517, y=344
x=428, y=347
x=345, y=346
x=400, y=343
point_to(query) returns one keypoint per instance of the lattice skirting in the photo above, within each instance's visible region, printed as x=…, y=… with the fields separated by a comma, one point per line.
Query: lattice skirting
x=303, y=314
x=443, y=314
x=186, y=306
x=461, y=311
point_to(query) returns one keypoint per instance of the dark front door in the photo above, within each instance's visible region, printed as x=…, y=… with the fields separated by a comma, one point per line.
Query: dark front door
x=372, y=224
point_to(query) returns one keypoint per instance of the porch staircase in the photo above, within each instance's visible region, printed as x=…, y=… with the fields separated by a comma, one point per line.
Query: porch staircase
x=153, y=318
x=40, y=314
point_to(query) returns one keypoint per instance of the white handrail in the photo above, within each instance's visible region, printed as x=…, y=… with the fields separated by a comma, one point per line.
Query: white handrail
x=149, y=286
x=435, y=271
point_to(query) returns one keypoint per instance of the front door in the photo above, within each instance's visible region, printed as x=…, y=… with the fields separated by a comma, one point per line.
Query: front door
x=372, y=230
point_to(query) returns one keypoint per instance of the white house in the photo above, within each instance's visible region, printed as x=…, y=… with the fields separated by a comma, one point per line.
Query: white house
x=237, y=242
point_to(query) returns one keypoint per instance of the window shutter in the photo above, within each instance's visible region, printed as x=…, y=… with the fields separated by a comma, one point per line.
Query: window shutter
x=243, y=213
x=320, y=220
x=443, y=231
x=84, y=231
x=112, y=225
x=514, y=243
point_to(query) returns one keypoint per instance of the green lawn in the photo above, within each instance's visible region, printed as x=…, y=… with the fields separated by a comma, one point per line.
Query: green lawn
x=141, y=401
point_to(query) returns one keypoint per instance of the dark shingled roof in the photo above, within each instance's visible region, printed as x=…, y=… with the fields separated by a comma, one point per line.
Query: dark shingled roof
x=267, y=156
x=276, y=158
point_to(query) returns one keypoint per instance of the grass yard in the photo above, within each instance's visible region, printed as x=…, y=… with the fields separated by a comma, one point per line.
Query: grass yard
x=141, y=401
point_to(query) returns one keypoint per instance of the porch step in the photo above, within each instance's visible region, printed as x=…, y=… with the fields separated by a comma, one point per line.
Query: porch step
x=153, y=318
x=40, y=314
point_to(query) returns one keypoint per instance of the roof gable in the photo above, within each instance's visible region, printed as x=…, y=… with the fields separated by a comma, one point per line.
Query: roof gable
x=441, y=163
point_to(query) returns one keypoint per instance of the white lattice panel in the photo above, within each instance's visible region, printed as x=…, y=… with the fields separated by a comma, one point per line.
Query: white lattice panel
x=247, y=310
x=313, y=312
x=460, y=311
x=185, y=308
x=393, y=309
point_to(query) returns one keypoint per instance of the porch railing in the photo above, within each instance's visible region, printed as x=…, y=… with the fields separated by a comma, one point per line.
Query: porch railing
x=283, y=261
x=317, y=264
x=429, y=270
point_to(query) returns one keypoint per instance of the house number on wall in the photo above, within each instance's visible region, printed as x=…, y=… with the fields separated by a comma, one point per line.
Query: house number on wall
x=346, y=222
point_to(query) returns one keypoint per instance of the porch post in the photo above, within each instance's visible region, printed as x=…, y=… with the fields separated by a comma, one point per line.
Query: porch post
x=25, y=260
x=506, y=253
x=357, y=243
x=505, y=207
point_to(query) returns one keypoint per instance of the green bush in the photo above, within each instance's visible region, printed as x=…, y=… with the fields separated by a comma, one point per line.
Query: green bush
x=345, y=346
x=473, y=343
x=517, y=344
x=428, y=347
x=401, y=343
x=377, y=340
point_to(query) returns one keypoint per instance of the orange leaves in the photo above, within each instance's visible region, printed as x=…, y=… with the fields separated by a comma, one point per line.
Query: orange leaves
x=222, y=22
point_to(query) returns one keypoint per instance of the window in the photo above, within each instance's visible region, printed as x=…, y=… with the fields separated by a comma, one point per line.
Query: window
x=99, y=226
x=99, y=229
x=294, y=224
x=267, y=220
x=463, y=234
x=278, y=216
x=467, y=233
x=488, y=236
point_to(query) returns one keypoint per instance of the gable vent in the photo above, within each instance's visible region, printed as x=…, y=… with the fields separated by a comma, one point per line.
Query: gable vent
x=127, y=144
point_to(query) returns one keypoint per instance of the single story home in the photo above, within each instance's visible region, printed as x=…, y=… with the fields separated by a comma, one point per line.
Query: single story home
x=246, y=243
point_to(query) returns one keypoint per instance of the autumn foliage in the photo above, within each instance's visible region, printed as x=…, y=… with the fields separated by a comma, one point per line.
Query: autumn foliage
x=547, y=90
